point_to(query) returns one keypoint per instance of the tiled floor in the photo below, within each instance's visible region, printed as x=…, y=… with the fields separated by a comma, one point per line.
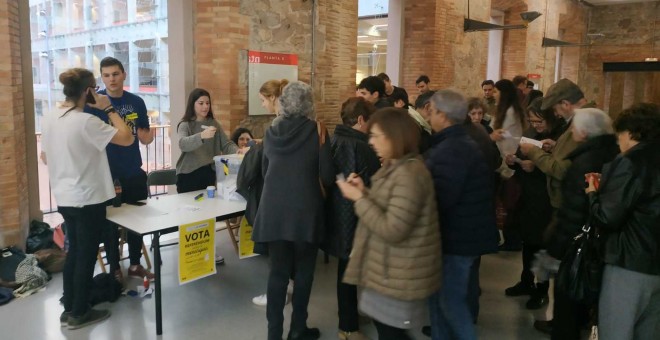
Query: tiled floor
x=220, y=307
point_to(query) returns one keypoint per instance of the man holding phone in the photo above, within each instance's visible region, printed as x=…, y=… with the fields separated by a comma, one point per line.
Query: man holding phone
x=125, y=162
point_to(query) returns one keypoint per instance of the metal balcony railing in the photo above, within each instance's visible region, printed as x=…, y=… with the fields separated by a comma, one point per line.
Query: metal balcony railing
x=155, y=156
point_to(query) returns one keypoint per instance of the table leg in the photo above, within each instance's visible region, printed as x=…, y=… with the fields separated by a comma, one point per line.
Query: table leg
x=159, y=307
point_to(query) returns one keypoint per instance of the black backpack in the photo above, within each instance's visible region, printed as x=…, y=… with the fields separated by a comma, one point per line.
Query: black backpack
x=105, y=288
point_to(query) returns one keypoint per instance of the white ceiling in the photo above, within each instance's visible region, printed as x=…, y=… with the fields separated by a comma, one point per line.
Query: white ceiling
x=614, y=2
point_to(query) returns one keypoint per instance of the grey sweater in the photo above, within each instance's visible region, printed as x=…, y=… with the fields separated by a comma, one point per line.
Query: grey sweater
x=197, y=152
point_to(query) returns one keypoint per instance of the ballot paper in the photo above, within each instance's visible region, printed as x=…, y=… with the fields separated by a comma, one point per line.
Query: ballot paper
x=534, y=142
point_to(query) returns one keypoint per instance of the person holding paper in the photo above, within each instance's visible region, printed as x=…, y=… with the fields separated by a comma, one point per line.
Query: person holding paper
x=396, y=256
x=563, y=97
x=535, y=208
x=509, y=120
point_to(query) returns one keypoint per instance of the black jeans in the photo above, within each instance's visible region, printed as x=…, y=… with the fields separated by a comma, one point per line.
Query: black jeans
x=347, y=301
x=386, y=332
x=83, y=226
x=133, y=189
x=527, y=276
x=287, y=258
x=196, y=180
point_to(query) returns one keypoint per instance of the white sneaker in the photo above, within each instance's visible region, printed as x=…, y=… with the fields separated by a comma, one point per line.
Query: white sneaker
x=219, y=259
x=262, y=299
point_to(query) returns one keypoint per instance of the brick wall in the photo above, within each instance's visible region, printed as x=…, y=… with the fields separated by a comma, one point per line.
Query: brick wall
x=514, y=43
x=631, y=34
x=225, y=29
x=14, y=205
x=435, y=45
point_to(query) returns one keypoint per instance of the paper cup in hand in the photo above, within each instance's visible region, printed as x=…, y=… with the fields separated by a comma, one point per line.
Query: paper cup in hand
x=210, y=191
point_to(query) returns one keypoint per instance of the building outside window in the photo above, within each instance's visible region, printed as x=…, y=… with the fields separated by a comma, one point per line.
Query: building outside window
x=372, y=38
x=80, y=33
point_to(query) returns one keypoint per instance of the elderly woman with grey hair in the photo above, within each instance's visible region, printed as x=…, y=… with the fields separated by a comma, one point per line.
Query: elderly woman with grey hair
x=592, y=129
x=290, y=219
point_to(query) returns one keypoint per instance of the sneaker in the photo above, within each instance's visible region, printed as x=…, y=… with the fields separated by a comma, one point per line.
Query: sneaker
x=140, y=272
x=357, y=335
x=536, y=301
x=92, y=316
x=64, y=318
x=520, y=289
x=262, y=299
x=305, y=334
x=219, y=259
x=543, y=326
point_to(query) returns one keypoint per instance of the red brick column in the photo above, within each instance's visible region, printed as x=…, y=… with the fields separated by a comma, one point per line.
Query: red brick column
x=14, y=191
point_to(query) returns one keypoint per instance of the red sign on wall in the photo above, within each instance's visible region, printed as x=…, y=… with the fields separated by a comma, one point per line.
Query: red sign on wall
x=533, y=76
x=256, y=57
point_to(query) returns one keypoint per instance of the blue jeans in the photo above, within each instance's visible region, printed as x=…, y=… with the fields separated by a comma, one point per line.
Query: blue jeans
x=451, y=314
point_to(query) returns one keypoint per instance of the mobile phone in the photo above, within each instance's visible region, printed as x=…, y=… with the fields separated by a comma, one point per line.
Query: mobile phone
x=90, y=97
x=341, y=177
x=138, y=203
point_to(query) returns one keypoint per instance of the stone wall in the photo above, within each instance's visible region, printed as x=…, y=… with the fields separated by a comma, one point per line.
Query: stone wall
x=230, y=28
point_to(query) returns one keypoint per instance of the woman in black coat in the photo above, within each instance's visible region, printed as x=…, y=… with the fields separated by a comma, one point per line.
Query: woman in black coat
x=593, y=130
x=291, y=215
x=626, y=209
x=534, y=210
x=351, y=153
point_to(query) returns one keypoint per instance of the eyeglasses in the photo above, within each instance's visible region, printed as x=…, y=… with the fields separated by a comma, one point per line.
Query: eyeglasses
x=533, y=122
x=96, y=88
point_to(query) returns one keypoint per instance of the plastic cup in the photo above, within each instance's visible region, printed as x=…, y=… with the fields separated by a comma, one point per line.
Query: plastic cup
x=210, y=191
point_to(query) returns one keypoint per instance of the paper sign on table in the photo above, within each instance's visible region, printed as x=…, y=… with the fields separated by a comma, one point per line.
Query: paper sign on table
x=196, y=250
x=534, y=142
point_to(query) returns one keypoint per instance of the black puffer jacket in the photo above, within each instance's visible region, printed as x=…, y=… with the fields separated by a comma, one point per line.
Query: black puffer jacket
x=589, y=156
x=627, y=209
x=350, y=153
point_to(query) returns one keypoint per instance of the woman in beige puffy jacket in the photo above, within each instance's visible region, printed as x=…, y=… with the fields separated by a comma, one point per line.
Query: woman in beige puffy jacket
x=396, y=255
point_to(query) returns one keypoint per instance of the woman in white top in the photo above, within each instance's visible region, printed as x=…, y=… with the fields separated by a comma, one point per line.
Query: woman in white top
x=74, y=143
x=509, y=120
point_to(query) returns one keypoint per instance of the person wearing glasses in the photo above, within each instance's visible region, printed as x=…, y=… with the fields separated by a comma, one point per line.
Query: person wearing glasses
x=535, y=208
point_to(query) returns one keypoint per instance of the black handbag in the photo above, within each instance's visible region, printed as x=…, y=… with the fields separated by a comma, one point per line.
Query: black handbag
x=581, y=270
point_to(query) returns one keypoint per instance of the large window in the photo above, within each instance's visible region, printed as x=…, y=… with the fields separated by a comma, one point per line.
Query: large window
x=372, y=38
x=80, y=33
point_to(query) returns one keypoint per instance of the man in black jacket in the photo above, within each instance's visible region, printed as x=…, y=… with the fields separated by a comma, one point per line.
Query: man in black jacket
x=464, y=192
x=372, y=89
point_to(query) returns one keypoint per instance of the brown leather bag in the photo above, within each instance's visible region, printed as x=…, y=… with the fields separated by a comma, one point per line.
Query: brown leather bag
x=320, y=127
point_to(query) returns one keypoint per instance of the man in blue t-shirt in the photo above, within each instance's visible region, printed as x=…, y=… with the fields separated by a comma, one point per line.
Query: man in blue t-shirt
x=125, y=162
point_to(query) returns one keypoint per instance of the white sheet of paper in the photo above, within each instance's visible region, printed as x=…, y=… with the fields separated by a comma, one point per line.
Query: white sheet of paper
x=534, y=142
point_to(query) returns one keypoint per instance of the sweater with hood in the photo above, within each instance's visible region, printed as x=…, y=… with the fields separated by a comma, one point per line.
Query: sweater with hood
x=291, y=207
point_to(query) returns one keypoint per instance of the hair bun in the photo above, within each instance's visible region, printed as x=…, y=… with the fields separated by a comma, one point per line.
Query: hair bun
x=283, y=84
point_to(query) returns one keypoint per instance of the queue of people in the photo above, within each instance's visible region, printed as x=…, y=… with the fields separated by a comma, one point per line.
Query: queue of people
x=407, y=216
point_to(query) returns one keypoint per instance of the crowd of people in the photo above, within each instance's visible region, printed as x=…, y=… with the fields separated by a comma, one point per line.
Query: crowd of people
x=407, y=196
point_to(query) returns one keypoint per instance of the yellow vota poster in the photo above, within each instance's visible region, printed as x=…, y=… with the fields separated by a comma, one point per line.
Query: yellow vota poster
x=245, y=243
x=196, y=250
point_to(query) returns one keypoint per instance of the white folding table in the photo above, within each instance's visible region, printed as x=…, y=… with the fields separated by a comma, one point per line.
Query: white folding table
x=164, y=214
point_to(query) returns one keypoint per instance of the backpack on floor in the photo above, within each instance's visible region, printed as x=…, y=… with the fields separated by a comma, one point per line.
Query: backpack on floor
x=105, y=288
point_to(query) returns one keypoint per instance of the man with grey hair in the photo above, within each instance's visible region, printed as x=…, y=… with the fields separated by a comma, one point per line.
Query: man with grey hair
x=464, y=189
x=290, y=218
x=564, y=97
